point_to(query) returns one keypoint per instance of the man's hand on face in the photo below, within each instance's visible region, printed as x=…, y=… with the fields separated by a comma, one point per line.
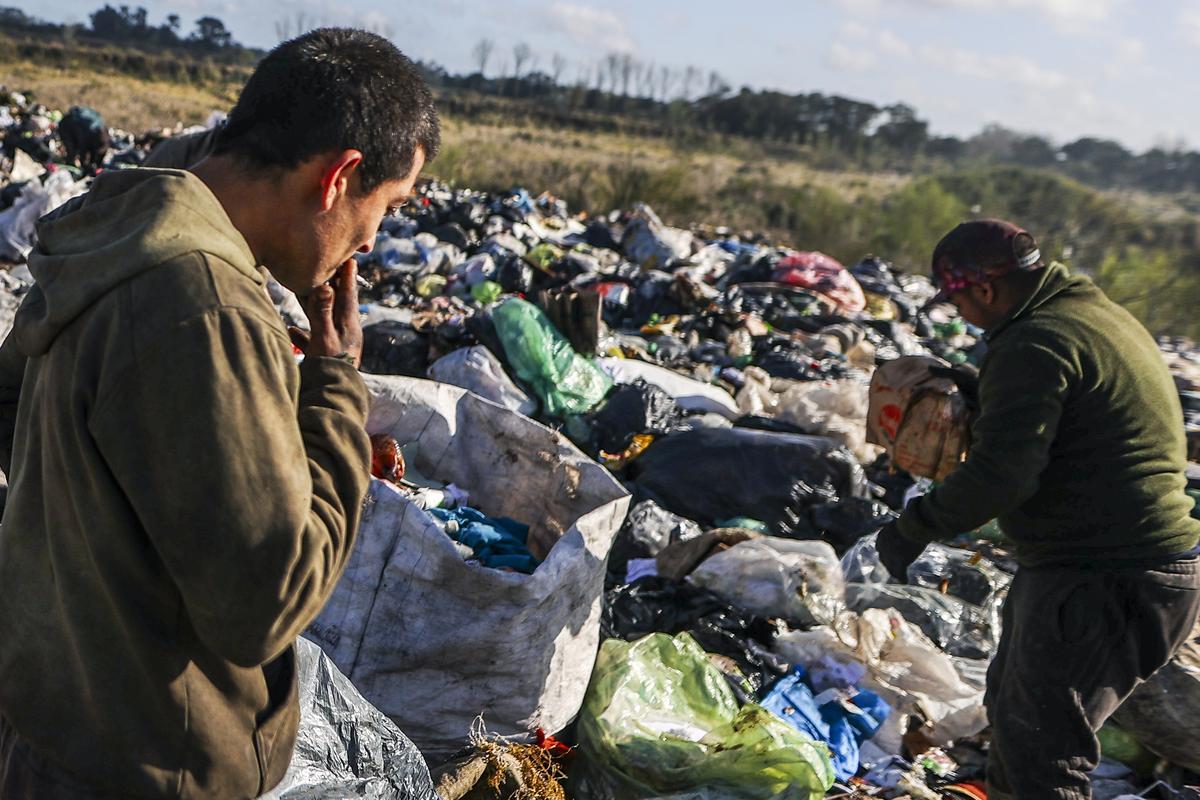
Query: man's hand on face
x=332, y=311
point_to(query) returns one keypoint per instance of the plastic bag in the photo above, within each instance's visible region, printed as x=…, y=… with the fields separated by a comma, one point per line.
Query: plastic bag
x=819, y=272
x=433, y=641
x=477, y=370
x=800, y=581
x=953, y=595
x=837, y=409
x=346, y=747
x=903, y=667
x=18, y=223
x=920, y=419
x=841, y=719
x=647, y=530
x=394, y=348
x=660, y=720
x=652, y=245
x=660, y=605
x=632, y=409
x=565, y=382
x=1164, y=712
x=711, y=474
x=690, y=395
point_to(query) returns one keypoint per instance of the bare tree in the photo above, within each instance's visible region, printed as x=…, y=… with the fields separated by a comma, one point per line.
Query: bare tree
x=483, y=53
x=558, y=65
x=645, y=83
x=690, y=76
x=612, y=66
x=521, y=55
x=601, y=75
x=626, y=69
x=716, y=84
x=290, y=27
x=666, y=80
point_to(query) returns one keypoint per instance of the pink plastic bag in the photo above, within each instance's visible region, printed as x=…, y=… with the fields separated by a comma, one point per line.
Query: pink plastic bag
x=819, y=272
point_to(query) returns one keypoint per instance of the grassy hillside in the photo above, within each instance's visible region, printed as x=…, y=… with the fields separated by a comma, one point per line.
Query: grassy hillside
x=1144, y=249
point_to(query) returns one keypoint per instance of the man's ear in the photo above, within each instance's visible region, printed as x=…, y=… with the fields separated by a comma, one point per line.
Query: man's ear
x=335, y=180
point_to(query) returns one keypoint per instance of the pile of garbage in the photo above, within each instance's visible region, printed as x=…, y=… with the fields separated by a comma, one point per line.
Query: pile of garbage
x=626, y=484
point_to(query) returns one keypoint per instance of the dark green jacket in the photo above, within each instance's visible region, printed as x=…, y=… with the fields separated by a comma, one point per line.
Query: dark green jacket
x=183, y=498
x=1079, y=449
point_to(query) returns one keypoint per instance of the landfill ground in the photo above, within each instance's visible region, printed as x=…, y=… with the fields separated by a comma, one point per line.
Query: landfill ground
x=629, y=476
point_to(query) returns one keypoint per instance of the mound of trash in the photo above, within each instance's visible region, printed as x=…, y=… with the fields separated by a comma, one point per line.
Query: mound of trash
x=627, y=478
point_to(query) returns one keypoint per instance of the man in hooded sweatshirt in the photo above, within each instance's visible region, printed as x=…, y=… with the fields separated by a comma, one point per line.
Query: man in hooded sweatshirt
x=184, y=497
x=1079, y=450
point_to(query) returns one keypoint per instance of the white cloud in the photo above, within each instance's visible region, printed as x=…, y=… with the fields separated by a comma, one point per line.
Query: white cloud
x=1062, y=11
x=858, y=48
x=1009, y=68
x=1189, y=23
x=592, y=27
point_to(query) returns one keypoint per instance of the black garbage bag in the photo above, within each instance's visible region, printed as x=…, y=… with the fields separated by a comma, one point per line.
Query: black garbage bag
x=599, y=234
x=652, y=296
x=783, y=307
x=514, y=274
x=714, y=474
x=655, y=604
x=784, y=358
x=452, y=233
x=959, y=628
x=647, y=530
x=844, y=522
x=632, y=409
x=394, y=348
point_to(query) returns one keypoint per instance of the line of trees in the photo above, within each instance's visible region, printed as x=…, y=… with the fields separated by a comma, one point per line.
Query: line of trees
x=131, y=26
x=690, y=99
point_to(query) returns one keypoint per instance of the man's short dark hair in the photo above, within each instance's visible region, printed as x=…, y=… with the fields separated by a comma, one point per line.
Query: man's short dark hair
x=334, y=89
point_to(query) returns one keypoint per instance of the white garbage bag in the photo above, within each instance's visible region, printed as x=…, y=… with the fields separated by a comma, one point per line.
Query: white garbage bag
x=345, y=746
x=799, y=581
x=18, y=222
x=434, y=641
x=689, y=394
x=477, y=370
x=837, y=409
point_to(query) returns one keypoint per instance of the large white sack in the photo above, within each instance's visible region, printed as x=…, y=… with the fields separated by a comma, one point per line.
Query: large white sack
x=433, y=641
x=477, y=370
x=690, y=394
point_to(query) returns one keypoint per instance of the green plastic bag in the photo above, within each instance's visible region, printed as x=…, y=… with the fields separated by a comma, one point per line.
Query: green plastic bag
x=486, y=292
x=566, y=382
x=660, y=720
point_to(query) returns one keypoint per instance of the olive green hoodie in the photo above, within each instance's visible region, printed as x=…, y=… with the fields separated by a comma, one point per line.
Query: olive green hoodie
x=182, y=499
x=1079, y=448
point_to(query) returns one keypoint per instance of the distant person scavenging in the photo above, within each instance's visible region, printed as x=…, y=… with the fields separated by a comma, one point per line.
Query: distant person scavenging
x=183, y=497
x=1079, y=451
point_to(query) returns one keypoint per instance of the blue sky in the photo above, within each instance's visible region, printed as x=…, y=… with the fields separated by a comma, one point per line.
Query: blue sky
x=1121, y=69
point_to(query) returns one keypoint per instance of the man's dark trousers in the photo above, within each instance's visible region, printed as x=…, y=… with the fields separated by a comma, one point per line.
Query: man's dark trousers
x=1076, y=642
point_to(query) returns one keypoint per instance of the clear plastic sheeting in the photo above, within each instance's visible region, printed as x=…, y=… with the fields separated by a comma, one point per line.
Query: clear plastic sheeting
x=954, y=596
x=346, y=747
x=660, y=721
x=800, y=581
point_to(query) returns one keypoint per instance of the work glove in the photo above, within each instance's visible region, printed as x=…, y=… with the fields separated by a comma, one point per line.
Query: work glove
x=966, y=378
x=896, y=552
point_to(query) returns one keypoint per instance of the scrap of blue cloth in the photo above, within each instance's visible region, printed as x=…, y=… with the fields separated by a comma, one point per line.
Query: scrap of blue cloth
x=498, y=542
x=843, y=726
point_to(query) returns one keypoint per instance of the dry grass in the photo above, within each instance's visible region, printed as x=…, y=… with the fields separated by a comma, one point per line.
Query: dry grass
x=125, y=102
